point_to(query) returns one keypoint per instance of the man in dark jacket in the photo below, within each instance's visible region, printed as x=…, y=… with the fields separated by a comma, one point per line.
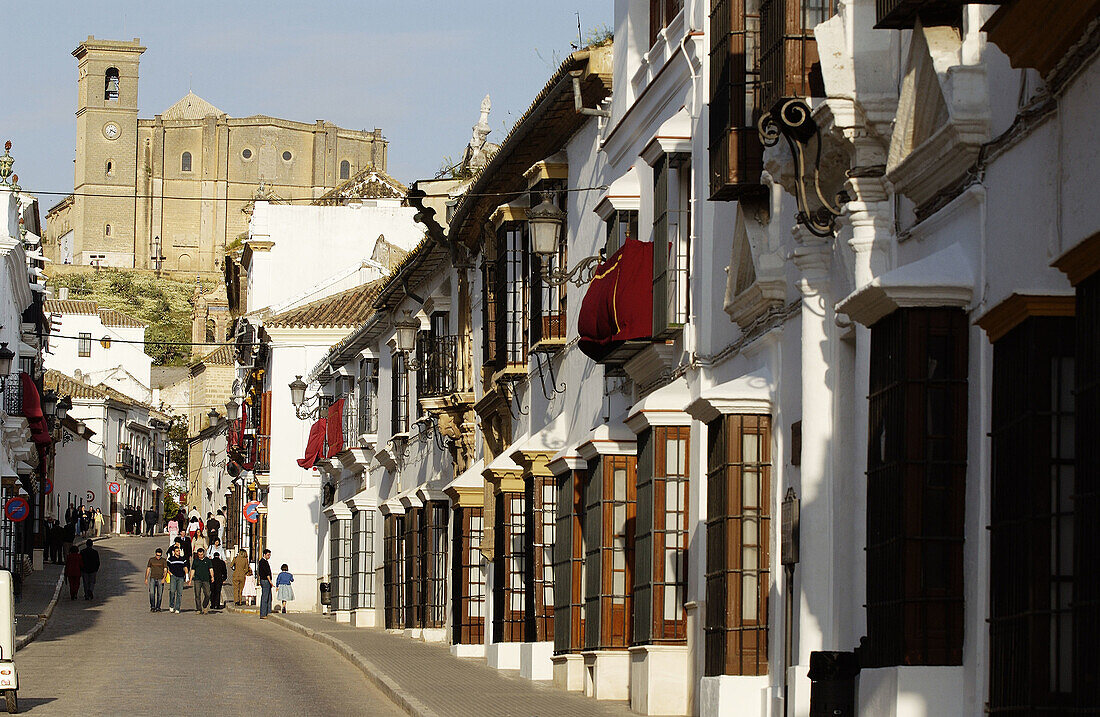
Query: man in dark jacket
x=150, y=520
x=89, y=558
x=264, y=577
x=221, y=573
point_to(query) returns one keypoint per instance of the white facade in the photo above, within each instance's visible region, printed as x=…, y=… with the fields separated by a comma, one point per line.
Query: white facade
x=115, y=354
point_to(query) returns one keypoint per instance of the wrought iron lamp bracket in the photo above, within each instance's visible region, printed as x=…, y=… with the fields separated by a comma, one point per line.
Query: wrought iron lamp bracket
x=554, y=387
x=582, y=272
x=792, y=120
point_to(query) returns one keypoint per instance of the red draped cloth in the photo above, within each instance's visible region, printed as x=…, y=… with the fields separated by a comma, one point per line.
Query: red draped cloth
x=335, y=428
x=618, y=305
x=315, y=444
x=32, y=411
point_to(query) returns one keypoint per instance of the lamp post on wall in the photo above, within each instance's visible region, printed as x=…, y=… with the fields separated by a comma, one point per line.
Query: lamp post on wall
x=405, y=339
x=544, y=222
x=304, y=408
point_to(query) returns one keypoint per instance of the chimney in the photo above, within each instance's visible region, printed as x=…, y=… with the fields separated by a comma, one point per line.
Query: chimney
x=63, y=293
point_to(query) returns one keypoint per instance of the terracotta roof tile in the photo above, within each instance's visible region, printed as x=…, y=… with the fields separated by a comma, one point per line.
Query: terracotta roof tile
x=368, y=183
x=348, y=308
x=84, y=307
x=221, y=356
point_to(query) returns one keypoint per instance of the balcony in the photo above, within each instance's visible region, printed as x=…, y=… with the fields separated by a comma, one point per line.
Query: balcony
x=131, y=462
x=440, y=373
x=263, y=454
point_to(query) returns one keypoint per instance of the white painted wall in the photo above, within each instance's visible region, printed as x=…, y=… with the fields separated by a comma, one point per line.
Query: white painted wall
x=64, y=356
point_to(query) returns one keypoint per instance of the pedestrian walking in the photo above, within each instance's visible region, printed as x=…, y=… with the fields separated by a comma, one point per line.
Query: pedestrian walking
x=85, y=521
x=68, y=536
x=264, y=577
x=178, y=574
x=97, y=522
x=215, y=546
x=150, y=520
x=241, y=570
x=54, y=536
x=71, y=514
x=173, y=529
x=283, y=590
x=154, y=578
x=213, y=526
x=220, y=575
x=202, y=572
x=72, y=571
x=89, y=566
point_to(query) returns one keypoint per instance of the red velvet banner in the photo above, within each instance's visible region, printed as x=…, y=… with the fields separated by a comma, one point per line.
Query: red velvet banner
x=618, y=305
x=335, y=428
x=315, y=444
x=32, y=411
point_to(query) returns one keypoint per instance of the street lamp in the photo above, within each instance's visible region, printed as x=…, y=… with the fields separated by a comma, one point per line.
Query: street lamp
x=214, y=416
x=544, y=223
x=6, y=357
x=49, y=402
x=405, y=339
x=298, y=398
x=233, y=408
x=63, y=407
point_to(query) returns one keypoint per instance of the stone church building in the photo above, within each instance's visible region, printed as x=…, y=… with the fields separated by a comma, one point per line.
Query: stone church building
x=172, y=191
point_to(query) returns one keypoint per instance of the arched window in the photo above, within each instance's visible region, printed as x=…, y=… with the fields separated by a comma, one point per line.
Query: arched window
x=345, y=169
x=211, y=328
x=185, y=162
x=109, y=168
x=107, y=230
x=110, y=84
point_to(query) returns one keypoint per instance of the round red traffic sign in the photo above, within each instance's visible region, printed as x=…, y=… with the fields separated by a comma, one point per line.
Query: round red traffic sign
x=17, y=509
x=115, y=488
x=252, y=511
x=47, y=486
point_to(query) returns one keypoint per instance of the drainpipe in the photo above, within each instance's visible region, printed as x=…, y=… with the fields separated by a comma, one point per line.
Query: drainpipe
x=578, y=101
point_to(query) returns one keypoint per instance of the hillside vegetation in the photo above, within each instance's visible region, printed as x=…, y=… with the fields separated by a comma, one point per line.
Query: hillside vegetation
x=163, y=304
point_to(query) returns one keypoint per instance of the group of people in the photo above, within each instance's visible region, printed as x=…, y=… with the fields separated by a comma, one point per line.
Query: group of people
x=207, y=573
x=133, y=518
x=82, y=565
x=79, y=523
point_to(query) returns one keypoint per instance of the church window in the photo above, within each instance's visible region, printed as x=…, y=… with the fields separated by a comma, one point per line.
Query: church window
x=345, y=169
x=185, y=162
x=246, y=153
x=109, y=168
x=107, y=230
x=110, y=84
x=286, y=156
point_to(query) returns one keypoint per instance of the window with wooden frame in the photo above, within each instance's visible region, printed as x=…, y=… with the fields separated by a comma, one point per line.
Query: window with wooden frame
x=362, y=559
x=512, y=293
x=490, y=301
x=263, y=435
x=569, y=556
x=738, y=568
x=661, y=14
x=84, y=345
x=438, y=351
x=434, y=552
x=621, y=225
x=393, y=570
x=414, y=566
x=660, y=584
x=399, y=394
x=671, y=243
x=1086, y=500
x=468, y=605
x=609, y=525
x=541, y=501
x=339, y=533
x=548, y=301
x=368, y=396
x=789, y=64
x=509, y=590
x=1031, y=519
x=916, y=480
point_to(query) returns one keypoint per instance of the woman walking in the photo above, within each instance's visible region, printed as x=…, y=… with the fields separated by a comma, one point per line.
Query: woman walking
x=97, y=522
x=73, y=567
x=283, y=591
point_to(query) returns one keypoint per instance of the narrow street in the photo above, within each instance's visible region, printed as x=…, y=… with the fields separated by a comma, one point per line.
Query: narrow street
x=112, y=656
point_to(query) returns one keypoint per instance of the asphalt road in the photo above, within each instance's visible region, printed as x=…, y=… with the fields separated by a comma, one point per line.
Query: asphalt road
x=111, y=656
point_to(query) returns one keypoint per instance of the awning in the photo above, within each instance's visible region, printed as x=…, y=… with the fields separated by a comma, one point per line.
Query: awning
x=335, y=428
x=315, y=444
x=618, y=305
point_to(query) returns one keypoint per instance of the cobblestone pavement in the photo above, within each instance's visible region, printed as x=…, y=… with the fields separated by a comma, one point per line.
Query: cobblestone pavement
x=111, y=656
x=456, y=687
x=38, y=590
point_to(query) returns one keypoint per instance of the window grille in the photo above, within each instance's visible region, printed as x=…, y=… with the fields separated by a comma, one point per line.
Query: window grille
x=469, y=579
x=509, y=594
x=622, y=225
x=541, y=502
x=362, y=566
x=340, y=562
x=393, y=570
x=661, y=13
x=661, y=582
x=736, y=155
x=84, y=345
x=735, y=631
x=438, y=351
x=399, y=382
x=916, y=477
x=569, y=561
x=609, y=517
x=368, y=396
x=434, y=550
x=1031, y=519
x=508, y=296
x=414, y=562
x=489, y=305
x=548, y=308
x=789, y=63
x=671, y=243
x=263, y=437
x=185, y=162
x=1086, y=500
x=110, y=84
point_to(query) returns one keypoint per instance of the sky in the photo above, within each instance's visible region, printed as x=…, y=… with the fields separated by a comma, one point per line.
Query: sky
x=416, y=69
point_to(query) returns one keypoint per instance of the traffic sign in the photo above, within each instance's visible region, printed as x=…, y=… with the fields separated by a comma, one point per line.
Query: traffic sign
x=17, y=509
x=91, y=496
x=47, y=486
x=252, y=511
x=115, y=488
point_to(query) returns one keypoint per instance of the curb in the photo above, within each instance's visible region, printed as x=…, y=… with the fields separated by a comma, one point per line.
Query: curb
x=22, y=641
x=384, y=682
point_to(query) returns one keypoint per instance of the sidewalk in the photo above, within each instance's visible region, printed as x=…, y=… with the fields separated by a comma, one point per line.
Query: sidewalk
x=39, y=590
x=425, y=679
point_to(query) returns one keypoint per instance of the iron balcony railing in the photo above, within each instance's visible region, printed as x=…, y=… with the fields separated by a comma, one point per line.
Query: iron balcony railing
x=263, y=454
x=351, y=420
x=440, y=373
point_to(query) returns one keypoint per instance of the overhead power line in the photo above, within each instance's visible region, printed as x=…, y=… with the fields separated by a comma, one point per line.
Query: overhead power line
x=288, y=200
